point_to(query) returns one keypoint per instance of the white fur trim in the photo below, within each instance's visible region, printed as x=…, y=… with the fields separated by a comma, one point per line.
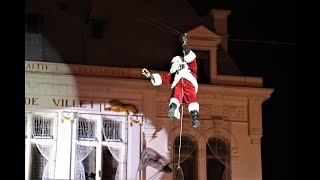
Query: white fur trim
x=157, y=79
x=174, y=67
x=176, y=112
x=176, y=79
x=185, y=73
x=193, y=106
x=176, y=59
x=176, y=101
x=175, y=63
x=190, y=57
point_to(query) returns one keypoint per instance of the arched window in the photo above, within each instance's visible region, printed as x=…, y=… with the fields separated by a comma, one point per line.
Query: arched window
x=188, y=158
x=218, y=160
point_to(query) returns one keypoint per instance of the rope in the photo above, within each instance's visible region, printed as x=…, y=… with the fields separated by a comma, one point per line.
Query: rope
x=155, y=174
x=181, y=116
x=173, y=30
x=180, y=132
x=162, y=26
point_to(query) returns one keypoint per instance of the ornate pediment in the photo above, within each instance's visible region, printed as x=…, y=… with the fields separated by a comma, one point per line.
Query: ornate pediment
x=203, y=36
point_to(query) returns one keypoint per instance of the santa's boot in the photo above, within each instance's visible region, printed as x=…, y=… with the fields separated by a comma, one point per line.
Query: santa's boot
x=195, y=120
x=173, y=107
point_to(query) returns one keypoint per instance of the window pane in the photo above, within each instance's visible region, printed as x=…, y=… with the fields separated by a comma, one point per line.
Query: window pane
x=89, y=164
x=215, y=169
x=109, y=164
x=203, y=66
x=218, y=160
x=111, y=130
x=38, y=163
x=86, y=129
x=188, y=160
x=42, y=127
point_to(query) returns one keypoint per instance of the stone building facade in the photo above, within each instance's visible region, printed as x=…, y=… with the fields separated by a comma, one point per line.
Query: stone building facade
x=71, y=133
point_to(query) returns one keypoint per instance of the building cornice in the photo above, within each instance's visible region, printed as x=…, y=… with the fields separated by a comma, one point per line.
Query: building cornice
x=227, y=84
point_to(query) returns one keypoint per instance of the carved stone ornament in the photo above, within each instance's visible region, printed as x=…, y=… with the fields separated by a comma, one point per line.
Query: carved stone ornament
x=67, y=116
x=135, y=120
x=118, y=106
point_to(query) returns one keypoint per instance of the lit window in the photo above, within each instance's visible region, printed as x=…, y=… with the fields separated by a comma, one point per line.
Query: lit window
x=111, y=130
x=86, y=129
x=109, y=164
x=218, y=160
x=38, y=163
x=42, y=127
x=89, y=164
x=188, y=158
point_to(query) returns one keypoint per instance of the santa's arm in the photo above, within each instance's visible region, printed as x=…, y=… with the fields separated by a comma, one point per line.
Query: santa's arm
x=189, y=55
x=157, y=79
x=160, y=79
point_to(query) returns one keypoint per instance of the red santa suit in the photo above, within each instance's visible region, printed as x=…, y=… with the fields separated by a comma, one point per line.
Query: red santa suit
x=183, y=77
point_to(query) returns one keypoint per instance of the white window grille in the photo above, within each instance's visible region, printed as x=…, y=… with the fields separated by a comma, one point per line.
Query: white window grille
x=40, y=145
x=42, y=127
x=112, y=129
x=109, y=135
x=86, y=129
x=114, y=135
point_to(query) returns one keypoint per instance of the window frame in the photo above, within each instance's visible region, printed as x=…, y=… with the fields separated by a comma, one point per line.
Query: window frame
x=211, y=156
x=99, y=143
x=194, y=153
x=31, y=143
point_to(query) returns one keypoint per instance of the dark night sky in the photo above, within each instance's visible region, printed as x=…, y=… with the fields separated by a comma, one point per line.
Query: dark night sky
x=262, y=43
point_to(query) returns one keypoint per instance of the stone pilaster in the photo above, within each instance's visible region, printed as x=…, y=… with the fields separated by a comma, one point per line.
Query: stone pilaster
x=255, y=118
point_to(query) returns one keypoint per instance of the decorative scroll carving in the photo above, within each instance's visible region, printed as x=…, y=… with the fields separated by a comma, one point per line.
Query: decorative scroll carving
x=66, y=116
x=136, y=120
x=41, y=86
x=118, y=106
x=234, y=112
x=205, y=109
x=162, y=109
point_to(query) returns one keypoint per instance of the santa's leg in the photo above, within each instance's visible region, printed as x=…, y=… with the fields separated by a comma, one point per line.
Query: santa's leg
x=194, y=110
x=173, y=107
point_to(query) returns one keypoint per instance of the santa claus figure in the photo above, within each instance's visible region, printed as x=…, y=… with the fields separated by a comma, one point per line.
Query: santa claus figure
x=184, y=85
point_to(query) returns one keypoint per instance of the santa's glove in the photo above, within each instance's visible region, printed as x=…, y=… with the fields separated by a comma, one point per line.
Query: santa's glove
x=146, y=73
x=183, y=39
x=185, y=48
